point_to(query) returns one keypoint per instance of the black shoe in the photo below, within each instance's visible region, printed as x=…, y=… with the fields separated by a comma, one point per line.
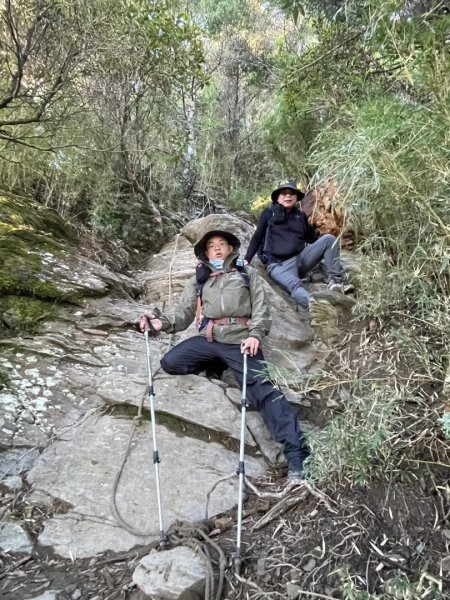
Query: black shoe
x=210, y=374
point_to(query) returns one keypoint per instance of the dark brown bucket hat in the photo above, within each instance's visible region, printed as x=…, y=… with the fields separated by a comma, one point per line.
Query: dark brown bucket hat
x=200, y=246
x=290, y=184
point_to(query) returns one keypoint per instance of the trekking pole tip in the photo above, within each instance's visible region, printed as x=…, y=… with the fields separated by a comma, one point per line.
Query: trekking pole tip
x=237, y=564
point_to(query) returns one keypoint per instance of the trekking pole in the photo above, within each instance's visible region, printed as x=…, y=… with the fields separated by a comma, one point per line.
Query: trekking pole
x=156, y=459
x=241, y=469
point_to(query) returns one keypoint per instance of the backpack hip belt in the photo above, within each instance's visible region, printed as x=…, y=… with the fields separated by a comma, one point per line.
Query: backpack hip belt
x=224, y=321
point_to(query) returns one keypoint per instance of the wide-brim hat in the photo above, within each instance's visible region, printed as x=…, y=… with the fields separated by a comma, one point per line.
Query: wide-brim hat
x=290, y=184
x=200, y=246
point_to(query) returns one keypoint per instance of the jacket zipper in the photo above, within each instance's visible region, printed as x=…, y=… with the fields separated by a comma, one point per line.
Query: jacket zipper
x=222, y=306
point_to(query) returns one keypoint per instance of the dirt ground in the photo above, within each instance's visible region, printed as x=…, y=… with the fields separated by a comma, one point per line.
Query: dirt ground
x=318, y=545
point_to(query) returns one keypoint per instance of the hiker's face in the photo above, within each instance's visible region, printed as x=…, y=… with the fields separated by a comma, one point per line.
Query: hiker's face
x=287, y=198
x=217, y=247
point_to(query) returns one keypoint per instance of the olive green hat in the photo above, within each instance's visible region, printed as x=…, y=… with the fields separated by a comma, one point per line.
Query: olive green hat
x=290, y=184
x=200, y=246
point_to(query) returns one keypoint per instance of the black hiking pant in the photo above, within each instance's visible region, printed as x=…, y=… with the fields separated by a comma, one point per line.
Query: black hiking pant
x=195, y=355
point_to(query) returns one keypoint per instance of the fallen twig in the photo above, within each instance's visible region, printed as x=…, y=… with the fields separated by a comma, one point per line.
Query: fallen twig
x=276, y=511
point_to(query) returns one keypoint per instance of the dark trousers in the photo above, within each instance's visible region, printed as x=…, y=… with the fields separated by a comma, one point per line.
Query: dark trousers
x=195, y=355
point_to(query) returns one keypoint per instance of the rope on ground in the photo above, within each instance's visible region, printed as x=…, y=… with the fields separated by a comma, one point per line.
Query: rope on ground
x=184, y=534
x=208, y=495
x=136, y=422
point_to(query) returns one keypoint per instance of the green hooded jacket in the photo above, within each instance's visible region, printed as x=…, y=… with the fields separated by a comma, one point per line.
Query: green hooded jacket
x=225, y=295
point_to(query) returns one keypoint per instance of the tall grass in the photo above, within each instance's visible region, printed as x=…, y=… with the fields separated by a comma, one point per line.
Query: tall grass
x=391, y=161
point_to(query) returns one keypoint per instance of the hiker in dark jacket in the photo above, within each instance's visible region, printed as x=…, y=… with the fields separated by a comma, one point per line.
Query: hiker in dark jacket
x=234, y=319
x=290, y=247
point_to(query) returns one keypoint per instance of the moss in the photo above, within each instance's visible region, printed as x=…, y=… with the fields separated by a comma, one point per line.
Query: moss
x=21, y=314
x=24, y=284
x=45, y=290
x=25, y=215
x=28, y=231
x=33, y=237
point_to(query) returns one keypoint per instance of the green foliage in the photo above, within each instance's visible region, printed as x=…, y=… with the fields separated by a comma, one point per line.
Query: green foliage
x=385, y=418
x=395, y=181
x=115, y=121
x=40, y=54
x=368, y=95
x=259, y=204
x=288, y=133
x=352, y=446
x=220, y=14
x=293, y=7
x=444, y=422
x=398, y=586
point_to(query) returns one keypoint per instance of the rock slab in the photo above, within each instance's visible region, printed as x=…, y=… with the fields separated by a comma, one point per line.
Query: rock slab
x=177, y=574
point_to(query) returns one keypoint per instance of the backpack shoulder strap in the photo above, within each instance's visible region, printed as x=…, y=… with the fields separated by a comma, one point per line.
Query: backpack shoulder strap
x=263, y=248
x=243, y=271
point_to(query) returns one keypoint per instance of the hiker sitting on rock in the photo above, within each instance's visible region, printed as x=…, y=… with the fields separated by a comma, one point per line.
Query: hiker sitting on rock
x=290, y=248
x=234, y=319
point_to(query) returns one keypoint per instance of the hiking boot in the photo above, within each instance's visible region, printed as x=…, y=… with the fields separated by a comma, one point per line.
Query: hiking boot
x=213, y=374
x=349, y=288
x=341, y=287
x=295, y=475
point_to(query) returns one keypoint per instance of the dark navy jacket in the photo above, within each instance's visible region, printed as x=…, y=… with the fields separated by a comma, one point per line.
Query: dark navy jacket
x=280, y=234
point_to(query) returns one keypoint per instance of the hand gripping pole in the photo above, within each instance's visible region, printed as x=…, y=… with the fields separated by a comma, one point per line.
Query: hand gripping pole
x=156, y=459
x=241, y=468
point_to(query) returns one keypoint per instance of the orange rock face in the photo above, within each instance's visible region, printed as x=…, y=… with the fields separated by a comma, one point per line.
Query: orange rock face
x=327, y=215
